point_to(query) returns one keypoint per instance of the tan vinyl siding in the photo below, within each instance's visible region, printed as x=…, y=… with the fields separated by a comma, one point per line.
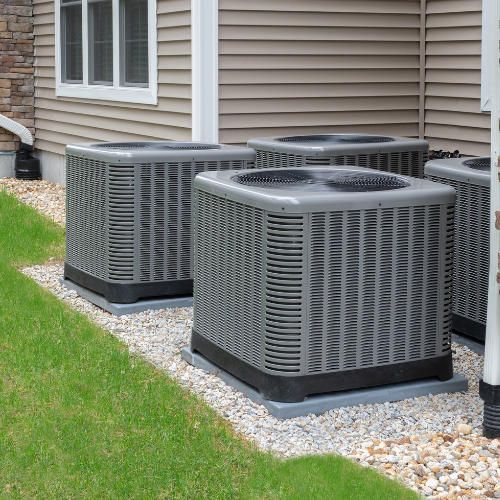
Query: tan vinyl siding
x=62, y=120
x=453, y=117
x=289, y=67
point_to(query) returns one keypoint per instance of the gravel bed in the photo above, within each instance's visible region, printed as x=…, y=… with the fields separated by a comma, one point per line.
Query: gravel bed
x=433, y=443
x=47, y=198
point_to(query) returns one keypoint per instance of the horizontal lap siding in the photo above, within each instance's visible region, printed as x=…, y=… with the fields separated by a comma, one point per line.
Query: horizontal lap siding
x=289, y=66
x=63, y=120
x=453, y=117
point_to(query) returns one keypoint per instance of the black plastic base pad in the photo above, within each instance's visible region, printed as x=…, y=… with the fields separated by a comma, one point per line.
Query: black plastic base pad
x=296, y=388
x=468, y=327
x=127, y=293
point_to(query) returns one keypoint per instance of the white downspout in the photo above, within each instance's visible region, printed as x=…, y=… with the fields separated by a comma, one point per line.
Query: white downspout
x=205, y=70
x=489, y=387
x=17, y=129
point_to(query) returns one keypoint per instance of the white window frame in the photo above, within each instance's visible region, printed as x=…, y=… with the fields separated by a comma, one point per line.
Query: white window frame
x=486, y=55
x=138, y=95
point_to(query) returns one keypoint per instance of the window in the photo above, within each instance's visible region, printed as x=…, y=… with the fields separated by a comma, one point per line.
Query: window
x=106, y=49
x=101, y=43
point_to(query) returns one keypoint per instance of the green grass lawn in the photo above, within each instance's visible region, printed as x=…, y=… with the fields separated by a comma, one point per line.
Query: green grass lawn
x=82, y=418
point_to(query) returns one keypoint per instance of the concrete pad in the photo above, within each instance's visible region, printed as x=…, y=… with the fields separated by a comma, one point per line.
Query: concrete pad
x=473, y=344
x=122, y=309
x=320, y=403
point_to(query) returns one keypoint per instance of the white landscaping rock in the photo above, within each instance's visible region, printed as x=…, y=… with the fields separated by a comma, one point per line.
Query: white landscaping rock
x=432, y=483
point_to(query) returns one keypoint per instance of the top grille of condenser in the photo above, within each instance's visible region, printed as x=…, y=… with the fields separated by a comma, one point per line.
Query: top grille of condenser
x=311, y=180
x=155, y=145
x=337, y=138
x=483, y=164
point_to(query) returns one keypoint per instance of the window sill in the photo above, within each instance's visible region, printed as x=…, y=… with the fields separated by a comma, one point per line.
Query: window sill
x=120, y=94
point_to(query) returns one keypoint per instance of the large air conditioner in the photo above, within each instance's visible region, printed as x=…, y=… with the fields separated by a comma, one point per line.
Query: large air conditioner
x=471, y=180
x=398, y=155
x=313, y=280
x=129, y=214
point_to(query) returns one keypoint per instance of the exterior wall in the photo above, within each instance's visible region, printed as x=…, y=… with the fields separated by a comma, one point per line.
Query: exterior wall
x=318, y=66
x=64, y=120
x=16, y=68
x=453, y=117
x=294, y=67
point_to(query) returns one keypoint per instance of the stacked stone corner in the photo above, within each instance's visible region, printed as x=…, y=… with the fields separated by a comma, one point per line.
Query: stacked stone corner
x=17, y=91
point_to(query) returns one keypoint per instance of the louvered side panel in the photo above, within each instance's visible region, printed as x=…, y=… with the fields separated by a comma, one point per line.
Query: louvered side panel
x=121, y=223
x=228, y=275
x=335, y=268
x=145, y=212
x=184, y=209
x=369, y=290
x=449, y=212
x=86, y=215
x=254, y=232
x=402, y=270
x=317, y=269
x=432, y=273
x=317, y=161
x=352, y=281
x=483, y=249
x=267, y=159
x=379, y=289
x=386, y=288
x=417, y=164
x=284, y=284
x=175, y=180
x=159, y=223
x=152, y=222
x=173, y=220
x=410, y=163
x=471, y=250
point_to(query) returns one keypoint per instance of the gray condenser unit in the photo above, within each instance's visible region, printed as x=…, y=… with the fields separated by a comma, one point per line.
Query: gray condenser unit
x=313, y=280
x=129, y=214
x=398, y=155
x=471, y=180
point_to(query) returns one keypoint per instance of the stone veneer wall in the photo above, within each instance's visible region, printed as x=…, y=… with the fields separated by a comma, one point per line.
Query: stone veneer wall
x=16, y=68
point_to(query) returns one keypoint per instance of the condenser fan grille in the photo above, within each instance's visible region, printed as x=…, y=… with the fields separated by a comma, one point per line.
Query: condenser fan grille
x=479, y=163
x=155, y=145
x=323, y=180
x=337, y=138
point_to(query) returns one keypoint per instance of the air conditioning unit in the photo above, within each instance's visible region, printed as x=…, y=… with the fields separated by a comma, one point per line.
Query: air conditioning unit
x=471, y=180
x=313, y=280
x=398, y=155
x=129, y=214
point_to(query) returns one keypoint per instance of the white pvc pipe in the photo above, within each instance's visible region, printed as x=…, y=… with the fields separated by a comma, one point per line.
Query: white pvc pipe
x=205, y=70
x=16, y=128
x=492, y=347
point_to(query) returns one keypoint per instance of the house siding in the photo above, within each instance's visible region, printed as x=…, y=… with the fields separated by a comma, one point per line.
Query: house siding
x=453, y=117
x=318, y=66
x=294, y=67
x=62, y=120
